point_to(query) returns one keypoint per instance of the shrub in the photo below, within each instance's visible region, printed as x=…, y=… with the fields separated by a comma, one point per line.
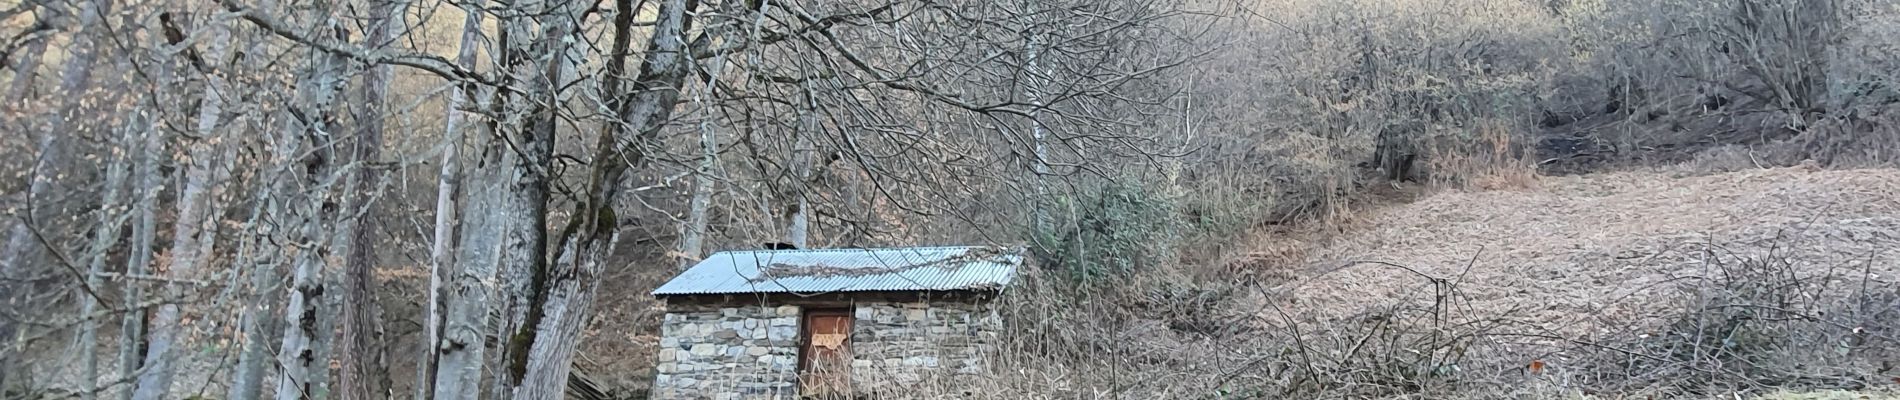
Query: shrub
x=1758, y=320
x=1107, y=231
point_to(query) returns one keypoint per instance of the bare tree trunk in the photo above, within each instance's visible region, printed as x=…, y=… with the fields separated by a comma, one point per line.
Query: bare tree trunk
x=262, y=256
x=146, y=185
x=524, y=242
x=259, y=319
x=304, y=354
x=693, y=237
x=194, y=233
x=194, y=240
x=471, y=284
x=365, y=372
x=693, y=233
x=1038, y=138
x=524, y=265
x=105, y=236
x=490, y=227
x=16, y=275
x=19, y=257
x=87, y=344
x=798, y=224
x=301, y=355
x=448, y=187
x=567, y=294
x=798, y=214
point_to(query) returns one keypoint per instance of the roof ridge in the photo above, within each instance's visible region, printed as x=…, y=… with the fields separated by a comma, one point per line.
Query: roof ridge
x=845, y=249
x=933, y=268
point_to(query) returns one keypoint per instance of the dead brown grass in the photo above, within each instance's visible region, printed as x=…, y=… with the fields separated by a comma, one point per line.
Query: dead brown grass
x=1581, y=251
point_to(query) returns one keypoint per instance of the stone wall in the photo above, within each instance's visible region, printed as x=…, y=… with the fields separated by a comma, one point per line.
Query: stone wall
x=751, y=352
x=919, y=345
x=728, y=353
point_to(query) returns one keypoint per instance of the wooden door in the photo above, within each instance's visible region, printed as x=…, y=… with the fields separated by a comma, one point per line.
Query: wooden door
x=825, y=357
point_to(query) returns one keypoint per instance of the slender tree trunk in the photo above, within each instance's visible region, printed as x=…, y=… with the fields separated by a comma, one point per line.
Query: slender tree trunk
x=693, y=237
x=448, y=186
x=471, y=285
x=265, y=259
x=145, y=190
x=114, y=211
x=194, y=234
x=1038, y=137
x=301, y=356
x=365, y=372
x=798, y=218
x=489, y=227
x=693, y=233
x=259, y=318
x=194, y=239
x=112, y=216
x=798, y=225
x=149, y=183
x=261, y=255
x=19, y=258
x=271, y=245
x=17, y=275
x=501, y=233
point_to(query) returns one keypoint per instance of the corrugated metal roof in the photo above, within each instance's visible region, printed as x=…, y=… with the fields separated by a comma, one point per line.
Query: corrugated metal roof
x=848, y=270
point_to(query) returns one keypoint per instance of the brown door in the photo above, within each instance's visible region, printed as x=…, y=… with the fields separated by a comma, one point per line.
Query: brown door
x=825, y=359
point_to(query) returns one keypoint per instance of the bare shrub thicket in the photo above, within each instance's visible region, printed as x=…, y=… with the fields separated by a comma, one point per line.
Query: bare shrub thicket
x=1318, y=98
x=1661, y=81
x=1331, y=95
x=1759, y=318
x=1163, y=337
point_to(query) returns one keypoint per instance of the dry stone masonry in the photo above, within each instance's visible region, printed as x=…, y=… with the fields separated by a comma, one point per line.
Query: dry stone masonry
x=730, y=352
x=898, y=345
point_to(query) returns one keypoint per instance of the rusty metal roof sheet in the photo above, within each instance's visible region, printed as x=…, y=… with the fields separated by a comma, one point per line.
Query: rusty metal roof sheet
x=848, y=270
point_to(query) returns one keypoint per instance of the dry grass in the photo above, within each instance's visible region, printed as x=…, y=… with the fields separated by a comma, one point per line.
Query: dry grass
x=1830, y=395
x=1584, y=249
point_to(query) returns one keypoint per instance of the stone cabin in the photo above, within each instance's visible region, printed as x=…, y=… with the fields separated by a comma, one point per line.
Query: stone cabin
x=782, y=324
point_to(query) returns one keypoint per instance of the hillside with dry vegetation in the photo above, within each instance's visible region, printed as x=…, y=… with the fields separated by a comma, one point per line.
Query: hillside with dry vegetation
x=1658, y=283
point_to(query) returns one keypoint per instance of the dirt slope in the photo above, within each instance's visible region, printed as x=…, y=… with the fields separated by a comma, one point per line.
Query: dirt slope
x=1604, y=247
